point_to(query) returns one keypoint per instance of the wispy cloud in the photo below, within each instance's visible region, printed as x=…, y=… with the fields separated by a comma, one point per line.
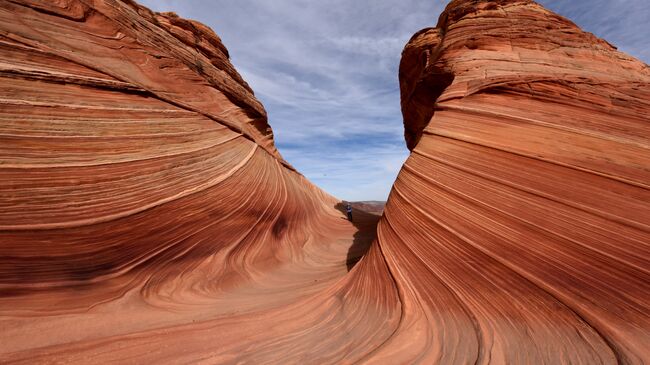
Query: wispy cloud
x=623, y=23
x=326, y=72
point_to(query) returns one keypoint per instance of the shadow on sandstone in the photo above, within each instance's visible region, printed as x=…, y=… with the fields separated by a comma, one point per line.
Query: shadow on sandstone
x=366, y=224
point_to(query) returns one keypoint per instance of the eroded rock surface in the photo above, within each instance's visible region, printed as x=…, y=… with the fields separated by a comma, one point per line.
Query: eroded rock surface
x=518, y=229
x=146, y=216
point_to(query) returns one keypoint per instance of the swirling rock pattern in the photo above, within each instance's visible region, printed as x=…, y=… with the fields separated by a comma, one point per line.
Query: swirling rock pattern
x=146, y=216
x=518, y=230
x=142, y=199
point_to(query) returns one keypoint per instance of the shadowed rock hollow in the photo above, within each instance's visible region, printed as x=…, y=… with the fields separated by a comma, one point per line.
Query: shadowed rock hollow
x=146, y=216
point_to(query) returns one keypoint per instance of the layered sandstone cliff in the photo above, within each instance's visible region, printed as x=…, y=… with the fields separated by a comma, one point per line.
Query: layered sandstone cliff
x=142, y=198
x=519, y=228
x=146, y=216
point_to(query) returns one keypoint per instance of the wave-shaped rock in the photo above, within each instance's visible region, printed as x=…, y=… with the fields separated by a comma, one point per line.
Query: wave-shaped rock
x=518, y=229
x=142, y=198
x=146, y=216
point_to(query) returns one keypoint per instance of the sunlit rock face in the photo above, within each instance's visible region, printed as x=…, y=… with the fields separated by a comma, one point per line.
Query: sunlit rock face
x=146, y=216
x=518, y=229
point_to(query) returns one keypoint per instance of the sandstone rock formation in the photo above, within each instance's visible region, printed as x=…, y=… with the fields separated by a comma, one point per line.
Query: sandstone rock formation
x=142, y=198
x=146, y=216
x=519, y=227
x=370, y=206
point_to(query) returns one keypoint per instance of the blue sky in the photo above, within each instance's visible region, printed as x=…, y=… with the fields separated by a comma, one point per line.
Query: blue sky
x=326, y=72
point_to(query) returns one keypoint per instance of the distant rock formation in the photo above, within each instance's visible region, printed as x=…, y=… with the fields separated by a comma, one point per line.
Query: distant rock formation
x=147, y=217
x=518, y=230
x=370, y=206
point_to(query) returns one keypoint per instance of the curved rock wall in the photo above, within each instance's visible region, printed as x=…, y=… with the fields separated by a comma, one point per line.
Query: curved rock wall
x=146, y=217
x=112, y=128
x=518, y=230
x=141, y=197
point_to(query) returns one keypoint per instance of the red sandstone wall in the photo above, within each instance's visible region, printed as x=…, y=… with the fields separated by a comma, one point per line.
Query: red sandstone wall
x=146, y=217
x=518, y=229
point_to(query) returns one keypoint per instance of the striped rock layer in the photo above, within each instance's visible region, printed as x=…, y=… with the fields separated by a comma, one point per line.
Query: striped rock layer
x=146, y=216
x=519, y=228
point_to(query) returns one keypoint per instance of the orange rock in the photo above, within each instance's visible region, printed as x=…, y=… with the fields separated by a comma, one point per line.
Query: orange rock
x=142, y=197
x=146, y=216
x=518, y=229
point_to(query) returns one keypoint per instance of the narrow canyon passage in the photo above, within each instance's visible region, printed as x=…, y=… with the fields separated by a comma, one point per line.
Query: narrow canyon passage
x=146, y=215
